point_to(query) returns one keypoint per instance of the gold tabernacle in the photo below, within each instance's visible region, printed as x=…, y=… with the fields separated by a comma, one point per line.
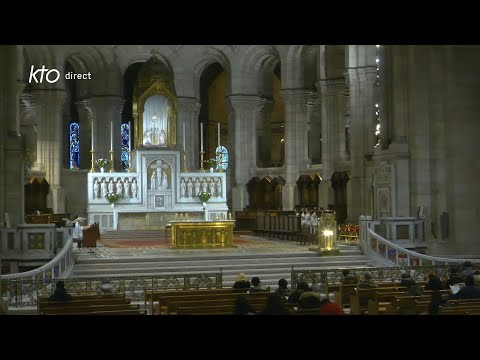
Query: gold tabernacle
x=202, y=234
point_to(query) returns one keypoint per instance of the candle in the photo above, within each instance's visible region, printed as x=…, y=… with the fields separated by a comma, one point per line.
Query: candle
x=219, y=136
x=111, y=135
x=184, y=136
x=129, y=137
x=201, y=136
x=92, y=133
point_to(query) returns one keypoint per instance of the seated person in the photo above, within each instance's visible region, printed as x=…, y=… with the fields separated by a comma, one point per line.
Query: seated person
x=405, y=280
x=309, y=300
x=413, y=289
x=241, y=282
x=469, y=291
x=348, y=278
x=330, y=308
x=434, y=282
x=295, y=295
x=368, y=281
x=282, y=289
x=274, y=306
x=60, y=294
x=455, y=278
x=256, y=287
x=242, y=306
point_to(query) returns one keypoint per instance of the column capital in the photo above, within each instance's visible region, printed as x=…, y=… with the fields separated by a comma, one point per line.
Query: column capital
x=188, y=104
x=295, y=96
x=247, y=102
x=329, y=87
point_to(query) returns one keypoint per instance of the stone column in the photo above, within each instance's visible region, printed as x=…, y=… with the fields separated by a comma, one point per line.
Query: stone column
x=11, y=160
x=264, y=152
x=187, y=111
x=296, y=148
x=332, y=119
x=362, y=114
x=107, y=110
x=49, y=144
x=314, y=119
x=86, y=116
x=243, y=145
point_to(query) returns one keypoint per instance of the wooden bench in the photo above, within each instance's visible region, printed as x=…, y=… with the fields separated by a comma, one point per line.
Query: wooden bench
x=71, y=309
x=152, y=296
x=44, y=302
x=214, y=310
x=253, y=299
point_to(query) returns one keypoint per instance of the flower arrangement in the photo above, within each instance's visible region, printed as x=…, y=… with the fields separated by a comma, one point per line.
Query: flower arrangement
x=204, y=196
x=210, y=163
x=113, y=197
x=103, y=162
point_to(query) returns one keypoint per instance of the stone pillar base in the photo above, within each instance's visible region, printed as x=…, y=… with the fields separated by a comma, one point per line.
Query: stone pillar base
x=239, y=198
x=288, y=197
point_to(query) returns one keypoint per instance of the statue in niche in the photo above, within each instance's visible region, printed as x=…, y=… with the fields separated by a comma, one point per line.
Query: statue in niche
x=219, y=187
x=111, y=186
x=134, y=188
x=182, y=187
x=204, y=185
x=164, y=181
x=96, y=189
x=126, y=185
x=103, y=187
x=162, y=138
x=153, y=181
x=119, y=186
x=197, y=187
x=189, y=188
x=211, y=187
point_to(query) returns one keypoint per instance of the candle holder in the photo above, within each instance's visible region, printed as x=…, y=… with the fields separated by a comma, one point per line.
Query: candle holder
x=111, y=162
x=201, y=161
x=92, y=170
x=219, y=162
x=184, y=161
x=130, y=168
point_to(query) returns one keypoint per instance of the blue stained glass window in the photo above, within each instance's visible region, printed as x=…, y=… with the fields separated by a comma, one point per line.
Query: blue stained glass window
x=125, y=138
x=74, y=145
x=223, y=157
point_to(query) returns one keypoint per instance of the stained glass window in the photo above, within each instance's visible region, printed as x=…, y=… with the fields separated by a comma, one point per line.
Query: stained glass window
x=223, y=156
x=125, y=139
x=74, y=145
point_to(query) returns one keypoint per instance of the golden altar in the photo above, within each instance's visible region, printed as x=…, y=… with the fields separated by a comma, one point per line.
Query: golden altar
x=202, y=234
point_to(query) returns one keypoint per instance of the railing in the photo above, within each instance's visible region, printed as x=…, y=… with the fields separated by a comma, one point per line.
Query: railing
x=23, y=293
x=373, y=244
x=321, y=280
x=59, y=267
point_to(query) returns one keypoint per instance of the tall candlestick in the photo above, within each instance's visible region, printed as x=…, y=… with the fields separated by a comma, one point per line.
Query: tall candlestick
x=111, y=135
x=201, y=136
x=219, y=136
x=184, y=136
x=129, y=137
x=92, y=133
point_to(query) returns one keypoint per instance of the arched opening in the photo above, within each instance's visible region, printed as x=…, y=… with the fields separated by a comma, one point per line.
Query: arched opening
x=213, y=110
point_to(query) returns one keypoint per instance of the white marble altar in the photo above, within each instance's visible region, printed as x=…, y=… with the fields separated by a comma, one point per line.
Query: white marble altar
x=156, y=185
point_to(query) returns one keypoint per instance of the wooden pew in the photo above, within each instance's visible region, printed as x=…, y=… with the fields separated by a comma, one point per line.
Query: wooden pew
x=44, y=302
x=67, y=309
x=214, y=310
x=256, y=298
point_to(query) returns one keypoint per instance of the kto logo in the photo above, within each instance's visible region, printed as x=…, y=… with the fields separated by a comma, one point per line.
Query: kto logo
x=43, y=71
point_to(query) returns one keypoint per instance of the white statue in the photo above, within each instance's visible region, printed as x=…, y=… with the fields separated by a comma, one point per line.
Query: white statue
x=211, y=187
x=111, y=186
x=164, y=181
x=189, y=188
x=219, y=187
x=147, y=137
x=162, y=138
x=103, y=187
x=182, y=187
x=96, y=189
x=197, y=186
x=159, y=174
x=204, y=185
x=153, y=181
x=134, y=188
x=120, y=187
x=126, y=184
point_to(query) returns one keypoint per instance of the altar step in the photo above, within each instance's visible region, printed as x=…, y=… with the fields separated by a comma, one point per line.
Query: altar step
x=270, y=268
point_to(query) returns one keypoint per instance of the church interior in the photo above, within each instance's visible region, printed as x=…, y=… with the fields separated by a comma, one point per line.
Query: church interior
x=168, y=170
